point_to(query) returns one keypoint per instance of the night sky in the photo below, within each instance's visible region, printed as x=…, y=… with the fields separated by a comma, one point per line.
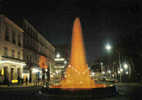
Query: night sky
x=102, y=21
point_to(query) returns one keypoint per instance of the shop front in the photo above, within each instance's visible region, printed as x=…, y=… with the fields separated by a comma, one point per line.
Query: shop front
x=10, y=70
x=36, y=74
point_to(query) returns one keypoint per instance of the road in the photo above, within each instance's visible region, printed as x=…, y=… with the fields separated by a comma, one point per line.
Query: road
x=131, y=92
x=126, y=92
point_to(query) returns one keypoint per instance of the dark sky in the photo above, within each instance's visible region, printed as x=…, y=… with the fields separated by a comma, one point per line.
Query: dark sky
x=102, y=21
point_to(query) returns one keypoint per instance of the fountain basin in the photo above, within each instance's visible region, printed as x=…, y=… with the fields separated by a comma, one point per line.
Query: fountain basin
x=93, y=93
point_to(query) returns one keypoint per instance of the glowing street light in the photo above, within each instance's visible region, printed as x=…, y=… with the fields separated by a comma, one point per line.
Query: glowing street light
x=58, y=55
x=108, y=47
x=121, y=70
x=65, y=62
x=118, y=72
x=92, y=73
x=46, y=70
x=125, y=66
x=109, y=71
x=127, y=73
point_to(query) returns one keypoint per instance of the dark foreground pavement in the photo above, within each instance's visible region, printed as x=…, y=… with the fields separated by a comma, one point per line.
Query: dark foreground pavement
x=132, y=92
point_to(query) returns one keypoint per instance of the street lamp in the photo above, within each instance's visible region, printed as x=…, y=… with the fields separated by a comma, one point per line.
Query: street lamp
x=65, y=62
x=118, y=72
x=109, y=71
x=46, y=70
x=125, y=66
x=58, y=55
x=92, y=73
x=121, y=70
x=127, y=73
x=108, y=47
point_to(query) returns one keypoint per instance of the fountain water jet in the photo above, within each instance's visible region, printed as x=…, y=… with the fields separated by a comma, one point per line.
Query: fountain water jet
x=77, y=73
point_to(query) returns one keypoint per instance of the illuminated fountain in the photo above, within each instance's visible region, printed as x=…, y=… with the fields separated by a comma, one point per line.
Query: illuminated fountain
x=77, y=73
x=77, y=81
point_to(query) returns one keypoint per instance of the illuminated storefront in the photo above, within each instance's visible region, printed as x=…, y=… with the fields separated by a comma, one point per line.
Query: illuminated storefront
x=11, y=50
x=11, y=69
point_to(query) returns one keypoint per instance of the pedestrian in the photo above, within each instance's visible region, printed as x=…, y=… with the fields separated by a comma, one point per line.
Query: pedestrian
x=19, y=80
x=26, y=81
x=38, y=81
x=22, y=80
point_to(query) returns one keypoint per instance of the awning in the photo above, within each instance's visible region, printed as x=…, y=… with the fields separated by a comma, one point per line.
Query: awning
x=12, y=61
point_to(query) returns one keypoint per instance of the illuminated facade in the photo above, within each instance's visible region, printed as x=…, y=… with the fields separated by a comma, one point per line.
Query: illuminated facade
x=11, y=50
x=77, y=74
x=35, y=46
x=21, y=49
x=58, y=73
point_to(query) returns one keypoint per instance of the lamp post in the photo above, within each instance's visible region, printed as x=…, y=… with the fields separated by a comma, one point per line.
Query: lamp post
x=102, y=69
x=108, y=47
x=109, y=73
x=119, y=64
x=126, y=67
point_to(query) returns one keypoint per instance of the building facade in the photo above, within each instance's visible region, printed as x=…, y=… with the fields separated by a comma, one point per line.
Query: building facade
x=59, y=68
x=11, y=50
x=35, y=46
x=20, y=51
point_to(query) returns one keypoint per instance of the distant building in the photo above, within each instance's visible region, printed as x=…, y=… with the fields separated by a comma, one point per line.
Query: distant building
x=61, y=62
x=58, y=71
x=11, y=50
x=64, y=51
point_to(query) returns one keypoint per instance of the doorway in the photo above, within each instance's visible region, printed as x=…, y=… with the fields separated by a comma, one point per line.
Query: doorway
x=12, y=73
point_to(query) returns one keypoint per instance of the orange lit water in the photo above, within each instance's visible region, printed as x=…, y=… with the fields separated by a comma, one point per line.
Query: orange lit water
x=42, y=62
x=77, y=74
